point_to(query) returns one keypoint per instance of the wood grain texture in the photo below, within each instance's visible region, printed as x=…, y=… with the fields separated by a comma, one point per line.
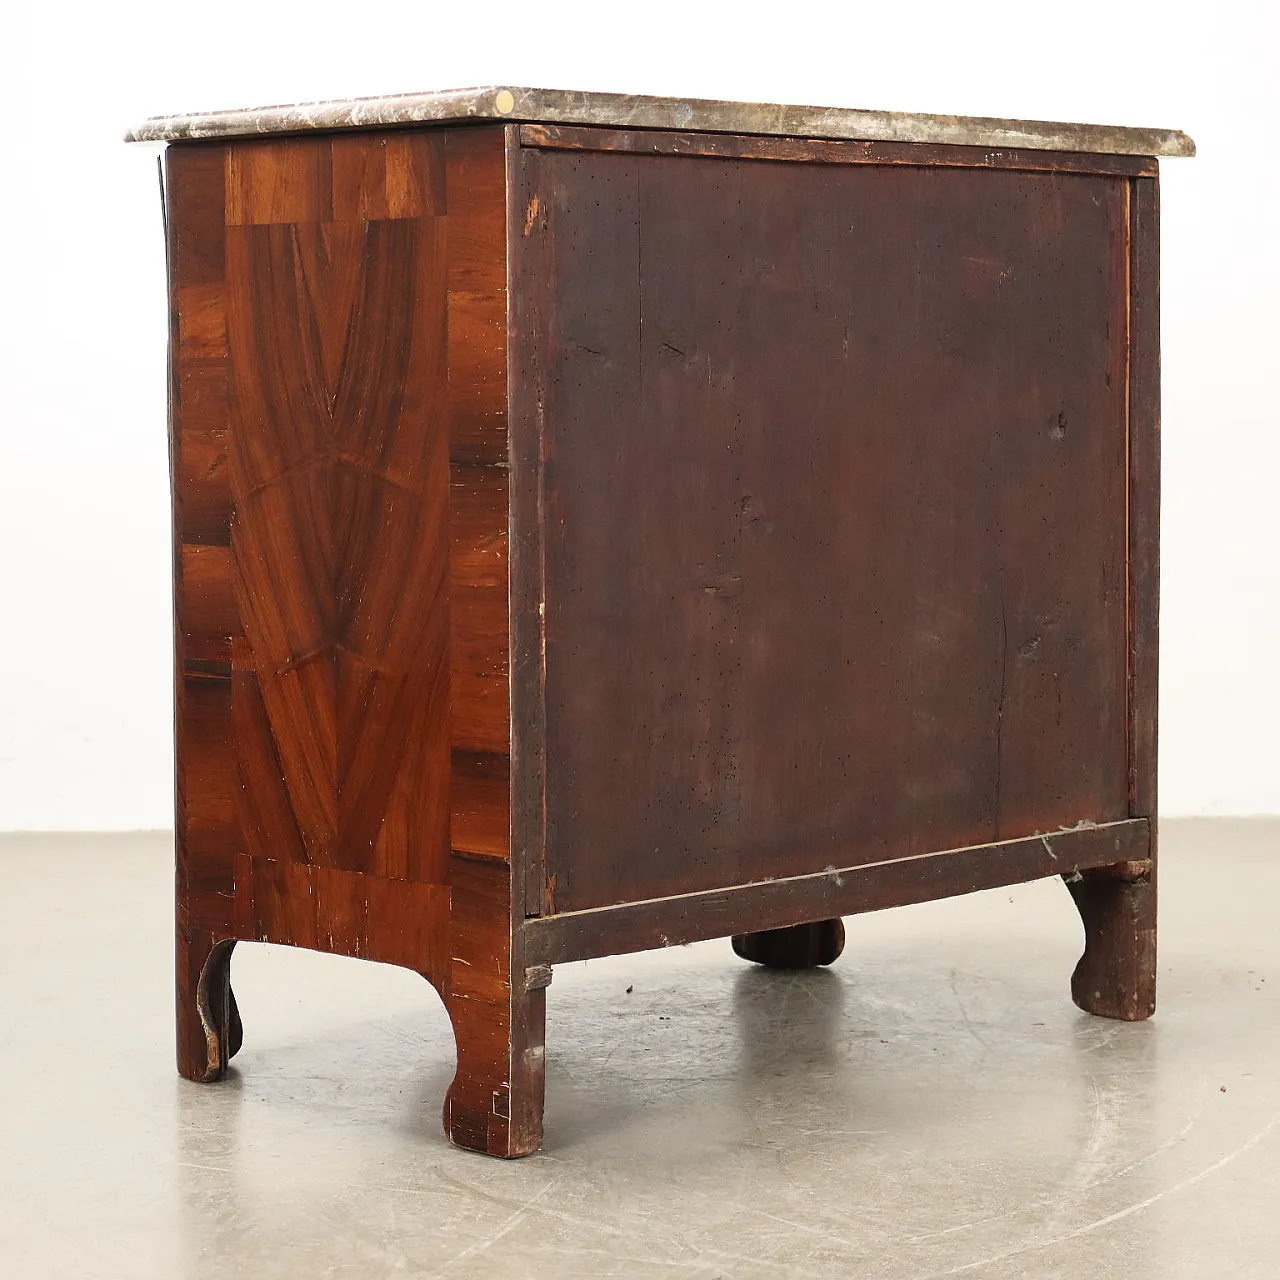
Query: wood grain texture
x=340, y=496
x=834, y=513
x=839, y=891
x=531, y=306
x=208, y=864
x=818, y=151
x=1116, y=975
x=340, y=542
x=1144, y=495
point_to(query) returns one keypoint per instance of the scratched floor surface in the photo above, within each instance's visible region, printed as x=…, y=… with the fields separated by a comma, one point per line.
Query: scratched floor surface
x=932, y=1106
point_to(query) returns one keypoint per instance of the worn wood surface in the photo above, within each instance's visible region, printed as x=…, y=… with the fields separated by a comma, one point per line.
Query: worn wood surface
x=834, y=514
x=846, y=889
x=820, y=151
x=638, y=111
x=339, y=450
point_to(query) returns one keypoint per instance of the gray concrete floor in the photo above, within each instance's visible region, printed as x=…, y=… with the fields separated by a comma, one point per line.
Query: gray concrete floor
x=932, y=1106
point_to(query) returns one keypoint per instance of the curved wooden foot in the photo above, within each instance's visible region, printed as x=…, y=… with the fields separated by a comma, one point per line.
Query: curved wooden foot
x=494, y=1104
x=802, y=946
x=209, y=1029
x=498, y=1010
x=1116, y=976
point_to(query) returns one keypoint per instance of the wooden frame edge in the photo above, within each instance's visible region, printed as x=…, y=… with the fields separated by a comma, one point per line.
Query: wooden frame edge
x=774, y=904
x=1144, y=495
x=825, y=151
x=527, y=281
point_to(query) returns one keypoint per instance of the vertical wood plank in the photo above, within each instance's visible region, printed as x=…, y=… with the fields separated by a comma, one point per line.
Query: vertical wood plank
x=480, y=677
x=212, y=902
x=530, y=311
x=204, y=617
x=495, y=1102
x=1144, y=495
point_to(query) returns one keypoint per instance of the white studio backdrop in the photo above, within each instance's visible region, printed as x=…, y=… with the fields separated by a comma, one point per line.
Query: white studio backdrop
x=85, y=708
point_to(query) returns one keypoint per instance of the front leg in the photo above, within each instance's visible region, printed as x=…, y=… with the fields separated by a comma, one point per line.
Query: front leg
x=1116, y=975
x=498, y=1011
x=494, y=1104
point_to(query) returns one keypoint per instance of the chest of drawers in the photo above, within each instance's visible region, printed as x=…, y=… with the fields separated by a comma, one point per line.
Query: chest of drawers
x=603, y=523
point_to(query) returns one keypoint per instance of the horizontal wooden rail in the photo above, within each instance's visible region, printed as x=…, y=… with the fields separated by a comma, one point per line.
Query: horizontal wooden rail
x=819, y=151
x=775, y=904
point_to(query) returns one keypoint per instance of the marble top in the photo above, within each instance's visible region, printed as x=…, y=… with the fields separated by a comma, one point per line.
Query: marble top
x=630, y=111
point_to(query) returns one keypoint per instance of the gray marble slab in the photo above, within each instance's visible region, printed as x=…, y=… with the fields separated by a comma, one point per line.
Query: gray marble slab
x=560, y=106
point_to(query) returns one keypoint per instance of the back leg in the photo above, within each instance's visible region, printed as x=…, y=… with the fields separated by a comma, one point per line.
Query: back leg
x=1116, y=975
x=802, y=946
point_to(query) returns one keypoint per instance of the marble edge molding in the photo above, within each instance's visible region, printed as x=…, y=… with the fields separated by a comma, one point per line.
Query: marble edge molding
x=631, y=111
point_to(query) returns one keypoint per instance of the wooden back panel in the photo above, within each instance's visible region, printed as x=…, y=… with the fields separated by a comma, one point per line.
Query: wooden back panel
x=835, y=490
